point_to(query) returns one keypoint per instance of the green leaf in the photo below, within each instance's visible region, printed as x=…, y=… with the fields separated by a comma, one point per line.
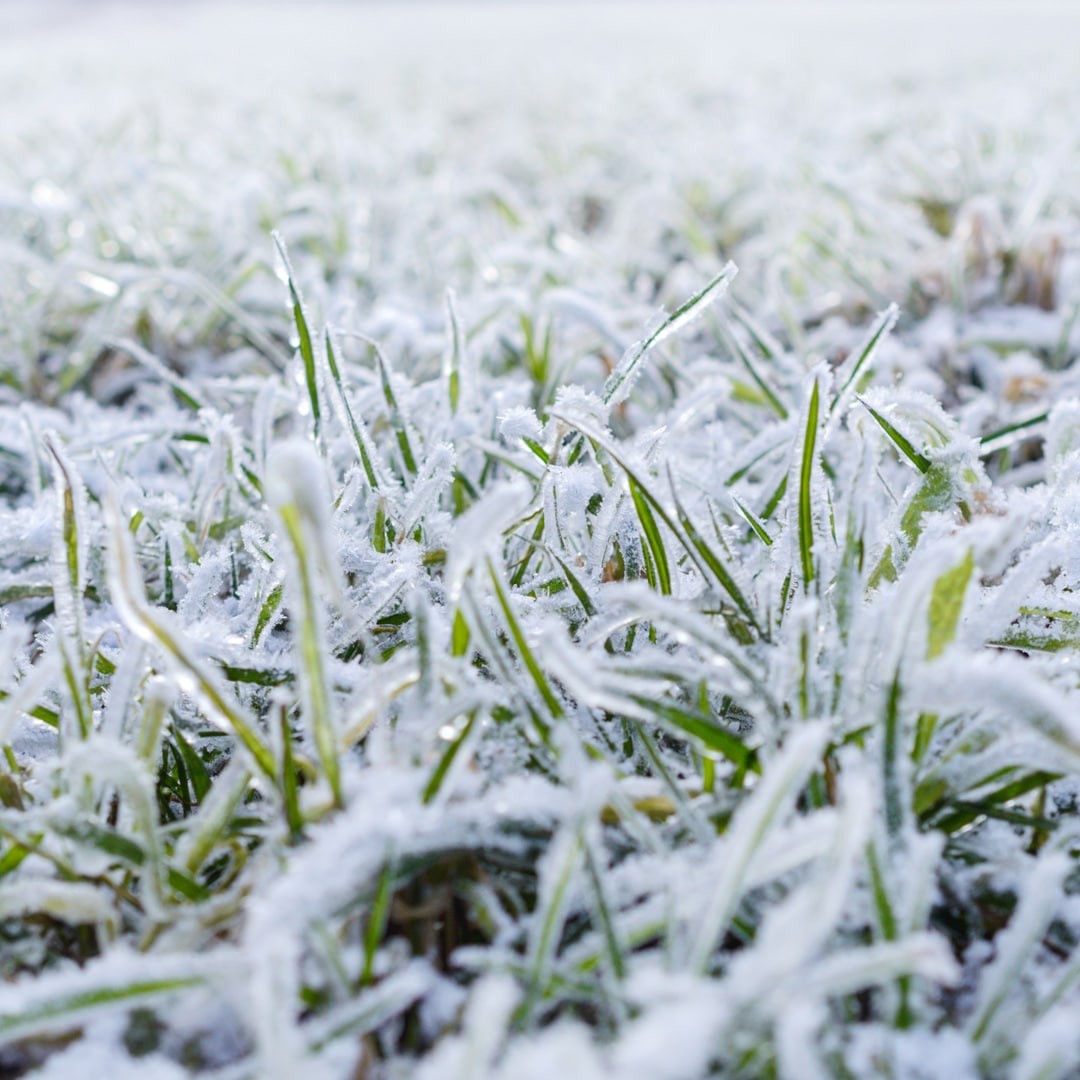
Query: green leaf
x=524, y=652
x=364, y=446
x=307, y=353
x=735, y=346
x=753, y=522
x=920, y=461
x=652, y=536
x=806, y=472
x=618, y=382
x=702, y=729
x=377, y=920
x=881, y=328
x=447, y=759
x=946, y=602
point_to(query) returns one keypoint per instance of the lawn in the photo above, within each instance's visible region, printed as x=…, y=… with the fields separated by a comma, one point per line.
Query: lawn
x=539, y=540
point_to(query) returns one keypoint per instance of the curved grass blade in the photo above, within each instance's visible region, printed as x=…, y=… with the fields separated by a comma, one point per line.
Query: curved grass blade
x=69, y=555
x=701, y=729
x=620, y=380
x=67, y=1000
x=1011, y=433
x=708, y=564
x=127, y=594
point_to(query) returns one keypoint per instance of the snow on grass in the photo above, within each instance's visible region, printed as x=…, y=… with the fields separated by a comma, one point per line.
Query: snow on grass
x=454, y=625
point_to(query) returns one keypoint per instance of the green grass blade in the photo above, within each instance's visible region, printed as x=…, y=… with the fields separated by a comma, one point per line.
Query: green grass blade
x=806, y=474
x=397, y=418
x=895, y=802
x=314, y=683
x=880, y=330
x=735, y=346
x=364, y=446
x=652, y=536
x=1006, y=436
x=753, y=522
x=550, y=918
x=521, y=646
x=946, y=603
x=920, y=461
x=378, y=917
x=619, y=381
x=449, y=755
x=129, y=598
x=60, y=1002
x=307, y=352
x=456, y=354
x=701, y=729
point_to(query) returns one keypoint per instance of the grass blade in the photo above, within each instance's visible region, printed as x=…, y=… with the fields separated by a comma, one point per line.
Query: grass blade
x=920, y=461
x=307, y=352
x=364, y=446
x=806, y=474
x=621, y=379
x=880, y=330
x=652, y=536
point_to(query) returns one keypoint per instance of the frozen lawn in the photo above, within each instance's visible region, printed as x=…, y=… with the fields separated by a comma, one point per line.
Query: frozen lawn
x=539, y=541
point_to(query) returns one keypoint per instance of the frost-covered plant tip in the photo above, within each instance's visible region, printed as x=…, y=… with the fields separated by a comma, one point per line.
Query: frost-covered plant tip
x=491, y=634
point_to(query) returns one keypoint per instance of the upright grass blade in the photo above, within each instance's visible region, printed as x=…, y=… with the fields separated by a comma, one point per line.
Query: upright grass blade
x=307, y=352
x=438, y=776
x=806, y=475
x=455, y=355
x=397, y=418
x=621, y=379
x=378, y=917
x=946, y=603
x=735, y=346
x=613, y=944
x=652, y=536
x=550, y=917
x=895, y=802
x=878, y=332
x=365, y=448
x=294, y=479
x=69, y=553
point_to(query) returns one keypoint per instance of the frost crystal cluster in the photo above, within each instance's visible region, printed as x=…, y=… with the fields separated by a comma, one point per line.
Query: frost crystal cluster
x=514, y=570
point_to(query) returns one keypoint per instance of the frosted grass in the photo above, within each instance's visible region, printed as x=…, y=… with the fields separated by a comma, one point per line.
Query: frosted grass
x=454, y=626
